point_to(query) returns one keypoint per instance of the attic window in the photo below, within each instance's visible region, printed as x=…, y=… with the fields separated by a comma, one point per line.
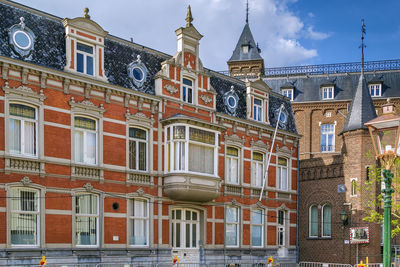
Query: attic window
x=375, y=89
x=84, y=58
x=21, y=38
x=327, y=92
x=231, y=100
x=288, y=92
x=137, y=71
x=245, y=48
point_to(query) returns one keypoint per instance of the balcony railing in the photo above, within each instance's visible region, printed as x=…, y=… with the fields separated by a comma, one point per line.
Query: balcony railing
x=327, y=148
x=380, y=65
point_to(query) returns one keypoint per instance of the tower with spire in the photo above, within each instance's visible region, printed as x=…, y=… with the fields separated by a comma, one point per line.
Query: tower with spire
x=246, y=60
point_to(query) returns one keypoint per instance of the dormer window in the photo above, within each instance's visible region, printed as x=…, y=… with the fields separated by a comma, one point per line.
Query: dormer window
x=245, y=48
x=375, y=89
x=187, y=91
x=288, y=92
x=257, y=109
x=327, y=92
x=84, y=58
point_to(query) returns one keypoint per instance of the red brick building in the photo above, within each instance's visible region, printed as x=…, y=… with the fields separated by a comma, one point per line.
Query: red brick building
x=111, y=151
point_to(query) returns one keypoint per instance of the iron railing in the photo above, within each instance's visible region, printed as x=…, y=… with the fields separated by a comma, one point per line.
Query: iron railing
x=393, y=64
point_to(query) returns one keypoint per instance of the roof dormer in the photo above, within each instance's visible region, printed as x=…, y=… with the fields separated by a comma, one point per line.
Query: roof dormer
x=85, y=46
x=257, y=100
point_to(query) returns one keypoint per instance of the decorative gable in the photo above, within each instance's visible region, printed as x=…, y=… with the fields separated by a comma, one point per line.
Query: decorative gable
x=257, y=100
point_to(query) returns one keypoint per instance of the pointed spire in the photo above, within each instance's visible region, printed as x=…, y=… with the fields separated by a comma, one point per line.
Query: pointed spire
x=247, y=11
x=189, y=17
x=363, y=32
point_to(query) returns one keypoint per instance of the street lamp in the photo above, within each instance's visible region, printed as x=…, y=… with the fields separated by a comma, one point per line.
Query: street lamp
x=384, y=131
x=344, y=217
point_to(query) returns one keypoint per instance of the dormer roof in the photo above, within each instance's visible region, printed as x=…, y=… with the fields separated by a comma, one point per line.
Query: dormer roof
x=246, y=38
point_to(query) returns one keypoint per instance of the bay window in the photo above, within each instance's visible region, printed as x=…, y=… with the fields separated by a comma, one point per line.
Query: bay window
x=139, y=222
x=85, y=131
x=137, y=149
x=282, y=174
x=232, y=165
x=25, y=218
x=22, y=130
x=191, y=149
x=257, y=169
x=232, y=226
x=86, y=219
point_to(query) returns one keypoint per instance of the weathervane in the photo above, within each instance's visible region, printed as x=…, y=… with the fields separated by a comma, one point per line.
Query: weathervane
x=363, y=33
x=247, y=11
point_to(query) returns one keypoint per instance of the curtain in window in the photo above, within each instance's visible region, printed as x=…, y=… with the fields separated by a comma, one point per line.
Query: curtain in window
x=201, y=158
x=314, y=221
x=179, y=150
x=79, y=146
x=326, y=227
x=29, y=138
x=86, y=219
x=139, y=222
x=90, y=148
x=232, y=170
x=15, y=136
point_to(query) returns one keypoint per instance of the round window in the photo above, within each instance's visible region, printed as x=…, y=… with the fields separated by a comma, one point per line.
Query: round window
x=231, y=101
x=138, y=74
x=22, y=40
x=283, y=118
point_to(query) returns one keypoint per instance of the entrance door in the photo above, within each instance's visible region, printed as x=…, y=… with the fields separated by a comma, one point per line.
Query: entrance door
x=185, y=230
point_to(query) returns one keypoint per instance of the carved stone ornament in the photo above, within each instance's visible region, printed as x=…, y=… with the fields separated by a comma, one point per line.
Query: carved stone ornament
x=171, y=89
x=234, y=202
x=24, y=91
x=284, y=149
x=86, y=105
x=88, y=187
x=140, y=192
x=260, y=205
x=206, y=99
x=26, y=181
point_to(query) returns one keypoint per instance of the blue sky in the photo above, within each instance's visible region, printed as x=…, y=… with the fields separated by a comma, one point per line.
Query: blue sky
x=289, y=32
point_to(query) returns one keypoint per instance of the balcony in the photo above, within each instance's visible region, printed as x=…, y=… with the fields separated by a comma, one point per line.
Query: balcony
x=191, y=187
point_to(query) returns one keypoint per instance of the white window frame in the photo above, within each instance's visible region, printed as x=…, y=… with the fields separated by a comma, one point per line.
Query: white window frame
x=183, y=222
x=85, y=55
x=85, y=133
x=97, y=216
x=328, y=92
x=187, y=88
x=310, y=221
x=228, y=166
x=258, y=110
x=262, y=211
x=132, y=219
x=281, y=229
x=331, y=130
x=353, y=191
x=137, y=141
x=375, y=87
x=183, y=145
x=279, y=168
x=288, y=93
x=233, y=223
x=254, y=167
x=36, y=212
x=22, y=133
x=322, y=220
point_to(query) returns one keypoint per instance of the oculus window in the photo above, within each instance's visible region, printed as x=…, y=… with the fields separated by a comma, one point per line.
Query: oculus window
x=231, y=100
x=21, y=38
x=137, y=73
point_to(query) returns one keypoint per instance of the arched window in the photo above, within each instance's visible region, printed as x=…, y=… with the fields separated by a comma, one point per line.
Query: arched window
x=257, y=169
x=232, y=165
x=137, y=149
x=313, y=221
x=326, y=220
x=85, y=130
x=22, y=130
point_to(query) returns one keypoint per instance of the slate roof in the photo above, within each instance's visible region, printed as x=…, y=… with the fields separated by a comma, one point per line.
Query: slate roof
x=362, y=108
x=50, y=52
x=246, y=38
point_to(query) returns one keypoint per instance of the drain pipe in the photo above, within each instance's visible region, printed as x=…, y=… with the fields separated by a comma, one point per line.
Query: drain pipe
x=297, y=204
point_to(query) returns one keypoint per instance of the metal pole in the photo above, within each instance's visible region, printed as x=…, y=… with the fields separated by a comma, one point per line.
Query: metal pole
x=270, y=153
x=387, y=219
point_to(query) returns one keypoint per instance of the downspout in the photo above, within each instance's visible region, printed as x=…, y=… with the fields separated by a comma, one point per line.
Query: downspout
x=297, y=204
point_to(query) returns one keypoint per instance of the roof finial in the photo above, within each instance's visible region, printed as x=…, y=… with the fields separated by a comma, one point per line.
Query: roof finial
x=363, y=33
x=247, y=11
x=189, y=17
x=86, y=13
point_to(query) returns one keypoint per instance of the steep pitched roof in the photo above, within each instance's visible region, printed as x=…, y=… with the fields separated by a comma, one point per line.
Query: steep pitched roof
x=246, y=38
x=362, y=109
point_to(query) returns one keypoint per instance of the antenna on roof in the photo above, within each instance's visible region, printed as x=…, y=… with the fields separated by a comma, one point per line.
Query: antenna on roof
x=363, y=33
x=247, y=11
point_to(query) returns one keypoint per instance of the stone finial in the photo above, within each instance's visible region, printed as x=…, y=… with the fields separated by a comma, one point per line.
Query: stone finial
x=86, y=13
x=189, y=17
x=22, y=22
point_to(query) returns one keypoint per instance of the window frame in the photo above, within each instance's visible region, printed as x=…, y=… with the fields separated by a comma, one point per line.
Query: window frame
x=354, y=185
x=323, y=221
x=185, y=142
x=374, y=87
x=185, y=90
x=183, y=222
x=38, y=214
x=85, y=55
x=85, y=131
x=311, y=222
x=328, y=92
x=137, y=140
x=22, y=129
x=254, y=168
x=286, y=91
x=132, y=218
x=258, y=110
x=332, y=131
x=257, y=225
x=228, y=167
x=279, y=179
x=97, y=216
x=281, y=228
x=237, y=223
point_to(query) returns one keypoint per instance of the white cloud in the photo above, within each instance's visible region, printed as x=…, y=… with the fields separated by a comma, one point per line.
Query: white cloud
x=316, y=35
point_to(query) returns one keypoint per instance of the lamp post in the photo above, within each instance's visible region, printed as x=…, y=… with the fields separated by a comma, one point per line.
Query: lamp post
x=344, y=217
x=384, y=131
